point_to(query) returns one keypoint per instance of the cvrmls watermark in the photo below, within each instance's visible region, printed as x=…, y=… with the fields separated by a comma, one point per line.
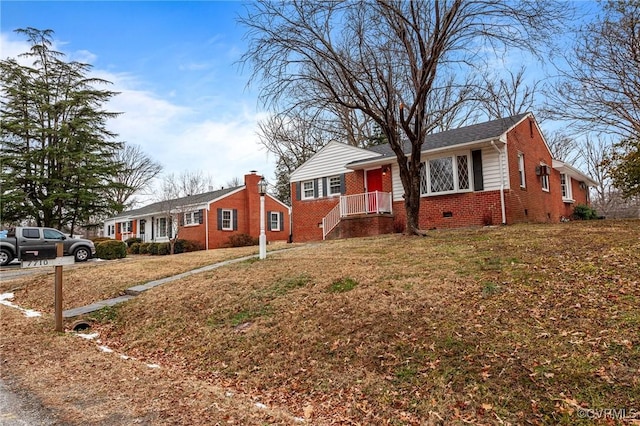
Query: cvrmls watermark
x=608, y=413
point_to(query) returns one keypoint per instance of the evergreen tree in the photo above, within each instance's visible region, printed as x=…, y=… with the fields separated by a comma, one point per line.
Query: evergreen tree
x=57, y=161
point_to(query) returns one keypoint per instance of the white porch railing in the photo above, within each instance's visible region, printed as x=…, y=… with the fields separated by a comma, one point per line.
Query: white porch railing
x=367, y=203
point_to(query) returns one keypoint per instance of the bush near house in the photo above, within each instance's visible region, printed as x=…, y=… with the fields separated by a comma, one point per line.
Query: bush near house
x=98, y=240
x=133, y=240
x=144, y=248
x=135, y=248
x=241, y=240
x=112, y=249
x=584, y=212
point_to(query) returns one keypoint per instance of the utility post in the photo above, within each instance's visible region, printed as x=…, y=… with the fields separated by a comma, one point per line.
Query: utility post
x=58, y=289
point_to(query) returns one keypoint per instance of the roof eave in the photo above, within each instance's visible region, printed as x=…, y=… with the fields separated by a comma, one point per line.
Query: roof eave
x=565, y=168
x=362, y=164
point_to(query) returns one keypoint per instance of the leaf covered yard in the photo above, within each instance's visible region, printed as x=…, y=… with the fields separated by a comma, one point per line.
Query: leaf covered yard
x=527, y=324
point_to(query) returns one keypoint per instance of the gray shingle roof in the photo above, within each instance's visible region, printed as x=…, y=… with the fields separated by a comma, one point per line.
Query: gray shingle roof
x=476, y=132
x=159, y=206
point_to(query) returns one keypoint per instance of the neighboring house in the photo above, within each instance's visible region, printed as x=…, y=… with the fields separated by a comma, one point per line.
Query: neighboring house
x=500, y=171
x=208, y=219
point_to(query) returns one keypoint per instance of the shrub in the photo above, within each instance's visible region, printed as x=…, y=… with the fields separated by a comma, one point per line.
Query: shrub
x=144, y=248
x=153, y=248
x=97, y=240
x=132, y=240
x=241, y=240
x=111, y=249
x=163, y=249
x=189, y=246
x=135, y=248
x=584, y=212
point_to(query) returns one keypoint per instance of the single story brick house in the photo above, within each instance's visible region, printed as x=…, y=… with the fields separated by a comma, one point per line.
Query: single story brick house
x=497, y=172
x=208, y=219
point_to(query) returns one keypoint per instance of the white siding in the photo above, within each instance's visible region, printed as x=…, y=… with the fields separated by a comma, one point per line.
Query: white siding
x=330, y=161
x=397, y=188
x=491, y=168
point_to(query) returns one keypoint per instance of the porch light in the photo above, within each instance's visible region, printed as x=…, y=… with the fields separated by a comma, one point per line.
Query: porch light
x=262, y=187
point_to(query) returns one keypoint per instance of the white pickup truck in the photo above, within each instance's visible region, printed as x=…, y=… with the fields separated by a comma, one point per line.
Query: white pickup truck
x=35, y=242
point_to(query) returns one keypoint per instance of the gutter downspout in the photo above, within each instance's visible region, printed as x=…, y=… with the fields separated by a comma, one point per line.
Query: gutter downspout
x=206, y=228
x=504, y=213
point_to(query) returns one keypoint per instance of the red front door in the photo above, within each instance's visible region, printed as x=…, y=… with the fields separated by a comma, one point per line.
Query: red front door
x=374, y=183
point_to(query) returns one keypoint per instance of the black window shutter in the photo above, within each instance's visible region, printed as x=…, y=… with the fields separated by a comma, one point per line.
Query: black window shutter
x=131, y=226
x=298, y=190
x=200, y=215
x=478, y=180
x=343, y=184
x=325, y=189
x=219, y=219
x=315, y=188
x=181, y=219
x=235, y=219
x=281, y=221
x=268, y=221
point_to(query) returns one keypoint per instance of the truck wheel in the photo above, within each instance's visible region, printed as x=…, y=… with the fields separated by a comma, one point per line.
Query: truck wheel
x=5, y=257
x=82, y=254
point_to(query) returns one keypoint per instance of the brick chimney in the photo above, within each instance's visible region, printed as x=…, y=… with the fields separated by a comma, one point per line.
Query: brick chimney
x=253, y=202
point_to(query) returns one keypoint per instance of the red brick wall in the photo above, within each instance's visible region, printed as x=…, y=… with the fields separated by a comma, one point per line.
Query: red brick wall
x=580, y=196
x=531, y=204
x=307, y=215
x=363, y=226
x=247, y=204
x=196, y=233
x=467, y=209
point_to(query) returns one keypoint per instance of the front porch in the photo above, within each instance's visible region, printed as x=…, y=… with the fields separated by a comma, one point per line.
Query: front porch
x=358, y=215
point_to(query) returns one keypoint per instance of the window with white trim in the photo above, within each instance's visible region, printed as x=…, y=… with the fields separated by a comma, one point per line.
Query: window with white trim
x=308, y=189
x=125, y=226
x=544, y=178
x=565, y=186
x=523, y=183
x=161, y=227
x=274, y=221
x=227, y=220
x=192, y=218
x=446, y=175
x=335, y=185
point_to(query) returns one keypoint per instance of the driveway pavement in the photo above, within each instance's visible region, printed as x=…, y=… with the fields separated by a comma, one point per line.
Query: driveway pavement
x=17, y=410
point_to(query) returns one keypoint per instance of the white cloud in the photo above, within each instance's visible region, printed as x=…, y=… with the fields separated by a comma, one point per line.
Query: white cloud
x=211, y=134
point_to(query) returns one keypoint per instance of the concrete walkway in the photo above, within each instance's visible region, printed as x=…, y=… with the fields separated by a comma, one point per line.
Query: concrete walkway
x=136, y=290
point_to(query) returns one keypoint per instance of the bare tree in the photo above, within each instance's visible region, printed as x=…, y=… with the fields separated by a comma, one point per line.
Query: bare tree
x=599, y=88
x=234, y=182
x=389, y=60
x=192, y=182
x=506, y=96
x=174, y=200
x=136, y=175
x=596, y=155
x=563, y=147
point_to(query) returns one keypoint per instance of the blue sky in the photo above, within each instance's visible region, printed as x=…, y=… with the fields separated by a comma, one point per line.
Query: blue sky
x=183, y=96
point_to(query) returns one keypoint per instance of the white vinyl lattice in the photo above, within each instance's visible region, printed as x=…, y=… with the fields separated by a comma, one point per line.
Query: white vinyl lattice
x=441, y=171
x=463, y=172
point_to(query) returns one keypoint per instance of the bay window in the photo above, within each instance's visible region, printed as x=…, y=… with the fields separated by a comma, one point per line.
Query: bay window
x=444, y=175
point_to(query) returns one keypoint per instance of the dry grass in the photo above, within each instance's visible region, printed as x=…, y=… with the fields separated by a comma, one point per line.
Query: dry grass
x=519, y=324
x=91, y=282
